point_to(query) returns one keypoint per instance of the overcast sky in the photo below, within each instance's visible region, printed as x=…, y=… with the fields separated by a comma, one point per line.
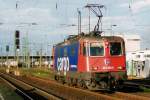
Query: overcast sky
x=54, y=18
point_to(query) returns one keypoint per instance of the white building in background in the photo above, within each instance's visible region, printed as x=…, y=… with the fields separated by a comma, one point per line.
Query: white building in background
x=132, y=42
x=138, y=61
x=138, y=64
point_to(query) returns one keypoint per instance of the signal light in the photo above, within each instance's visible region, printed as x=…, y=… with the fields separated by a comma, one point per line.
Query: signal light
x=17, y=42
x=17, y=34
x=17, y=39
x=17, y=46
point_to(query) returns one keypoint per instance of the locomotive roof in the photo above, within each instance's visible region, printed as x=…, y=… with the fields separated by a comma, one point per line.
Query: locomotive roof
x=75, y=38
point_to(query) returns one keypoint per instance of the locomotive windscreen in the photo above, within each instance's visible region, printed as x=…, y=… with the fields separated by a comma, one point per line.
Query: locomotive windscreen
x=115, y=48
x=96, y=49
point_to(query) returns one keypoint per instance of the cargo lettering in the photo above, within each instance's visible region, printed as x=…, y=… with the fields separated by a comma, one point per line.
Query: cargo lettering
x=63, y=64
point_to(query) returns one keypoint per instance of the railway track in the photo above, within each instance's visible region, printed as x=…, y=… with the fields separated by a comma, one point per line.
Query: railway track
x=138, y=84
x=70, y=93
x=28, y=92
x=67, y=93
x=128, y=96
x=19, y=91
x=123, y=96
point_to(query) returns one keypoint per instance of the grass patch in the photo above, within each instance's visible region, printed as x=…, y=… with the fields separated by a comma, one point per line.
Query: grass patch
x=145, y=89
x=2, y=69
x=39, y=72
x=8, y=93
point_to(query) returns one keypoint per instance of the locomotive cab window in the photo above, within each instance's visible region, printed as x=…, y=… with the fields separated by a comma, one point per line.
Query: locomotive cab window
x=115, y=48
x=96, y=49
x=84, y=50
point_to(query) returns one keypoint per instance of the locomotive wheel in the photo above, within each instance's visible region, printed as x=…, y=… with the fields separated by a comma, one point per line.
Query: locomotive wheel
x=90, y=85
x=103, y=84
x=83, y=84
x=111, y=84
x=80, y=83
x=56, y=77
x=93, y=84
x=75, y=82
x=112, y=87
x=61, y=79
x=119, y=84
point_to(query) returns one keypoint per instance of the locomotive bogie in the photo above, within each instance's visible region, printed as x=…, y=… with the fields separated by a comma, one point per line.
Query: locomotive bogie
x=94, y=81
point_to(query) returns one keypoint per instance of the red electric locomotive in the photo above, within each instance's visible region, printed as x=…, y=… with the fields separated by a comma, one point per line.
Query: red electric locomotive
x=92, y=61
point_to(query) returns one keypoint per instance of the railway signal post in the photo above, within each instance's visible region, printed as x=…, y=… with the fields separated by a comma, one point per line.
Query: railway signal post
x=17, y=48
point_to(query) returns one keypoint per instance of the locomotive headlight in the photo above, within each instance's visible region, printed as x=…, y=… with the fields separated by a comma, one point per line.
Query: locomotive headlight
x=119, y=67
x=94, y=68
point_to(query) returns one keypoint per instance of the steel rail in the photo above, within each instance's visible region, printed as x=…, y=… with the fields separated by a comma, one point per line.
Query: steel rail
x=25, y=87
x=17, y=89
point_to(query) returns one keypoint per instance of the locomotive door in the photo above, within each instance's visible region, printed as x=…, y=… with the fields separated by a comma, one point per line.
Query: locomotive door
x=83, y=61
